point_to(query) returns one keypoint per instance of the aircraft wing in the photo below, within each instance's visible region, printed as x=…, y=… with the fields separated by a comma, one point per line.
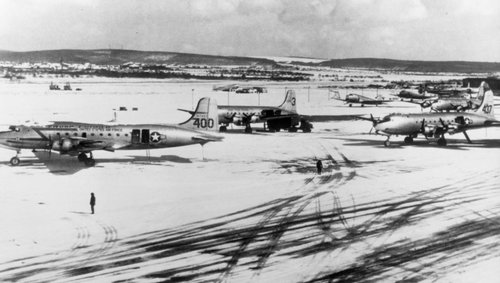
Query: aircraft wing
x=279, y=117
x=204, y=138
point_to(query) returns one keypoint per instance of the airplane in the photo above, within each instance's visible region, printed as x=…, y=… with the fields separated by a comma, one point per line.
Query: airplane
x=436, y=125
x=240, y=89
x=80, y=139
x=450, y=104
x=284, y=116
x=420, y=95
x=361, y=99
x=250, y=89
x=230, y=87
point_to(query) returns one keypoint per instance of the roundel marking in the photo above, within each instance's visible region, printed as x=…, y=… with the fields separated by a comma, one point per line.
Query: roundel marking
x=155, y=137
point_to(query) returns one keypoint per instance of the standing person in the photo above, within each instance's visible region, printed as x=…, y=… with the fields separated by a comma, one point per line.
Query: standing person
x=319, y=166
x=92, y=202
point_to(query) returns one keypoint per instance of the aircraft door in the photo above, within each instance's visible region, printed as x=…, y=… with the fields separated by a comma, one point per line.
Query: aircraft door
x=145, y=136
x=136, y=135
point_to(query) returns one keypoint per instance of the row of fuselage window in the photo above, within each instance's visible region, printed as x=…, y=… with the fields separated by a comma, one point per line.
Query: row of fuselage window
x=91, y=134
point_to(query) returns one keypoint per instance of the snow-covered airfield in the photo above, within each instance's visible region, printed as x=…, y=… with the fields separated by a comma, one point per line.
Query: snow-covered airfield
x=254, y=210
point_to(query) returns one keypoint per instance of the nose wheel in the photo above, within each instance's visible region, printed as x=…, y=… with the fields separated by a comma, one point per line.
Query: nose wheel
x=14, y=161
x=387, y=143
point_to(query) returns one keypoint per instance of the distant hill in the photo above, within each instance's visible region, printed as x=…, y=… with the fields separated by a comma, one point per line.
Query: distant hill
x=118, y=56
x=414, y=66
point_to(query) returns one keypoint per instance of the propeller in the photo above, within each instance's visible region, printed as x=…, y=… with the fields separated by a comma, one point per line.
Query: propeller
x=422, y=128
x=230, y=117
x=374, y=121
x=50, y=146
x=445, y=126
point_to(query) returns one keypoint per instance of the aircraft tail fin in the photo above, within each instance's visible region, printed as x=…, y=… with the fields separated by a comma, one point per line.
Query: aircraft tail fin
x=485, y=94
x=290, y=103
x=205, y=116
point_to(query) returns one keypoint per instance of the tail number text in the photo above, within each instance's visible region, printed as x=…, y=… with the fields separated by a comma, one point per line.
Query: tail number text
x=203, y=123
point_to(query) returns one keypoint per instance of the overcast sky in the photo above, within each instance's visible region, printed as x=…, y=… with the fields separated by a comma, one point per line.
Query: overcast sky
x=399, y=29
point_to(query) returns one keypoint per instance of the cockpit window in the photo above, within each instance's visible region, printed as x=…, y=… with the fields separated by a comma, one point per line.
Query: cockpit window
x=386, y=119
x=14, y=128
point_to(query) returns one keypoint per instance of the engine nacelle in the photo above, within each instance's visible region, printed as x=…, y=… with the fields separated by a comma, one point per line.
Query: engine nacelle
x=64, y=145
x=429, y=131
x=238, y=121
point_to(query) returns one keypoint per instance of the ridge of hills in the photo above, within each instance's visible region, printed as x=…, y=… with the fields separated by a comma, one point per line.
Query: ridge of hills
x=119, y=56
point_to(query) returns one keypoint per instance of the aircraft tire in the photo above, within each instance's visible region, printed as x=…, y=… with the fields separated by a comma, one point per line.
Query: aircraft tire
x=441, y=142
x=387, y=143
x=82, y=157
x=222, y=129
x=89, y=162
x=248, y=130
x=306, y=130
x=408, y=140
x=14, y=161
x=292, y=129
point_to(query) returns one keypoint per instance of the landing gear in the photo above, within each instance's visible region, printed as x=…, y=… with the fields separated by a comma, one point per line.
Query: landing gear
x=82, y=157
x=387, y=143
x=223, y=128
x=89, y=161
x=350, y=104
x=409, y=140
x=305, y=126
x=292, y=129
x=441, y=141
x=248, y=129
x=14, y=161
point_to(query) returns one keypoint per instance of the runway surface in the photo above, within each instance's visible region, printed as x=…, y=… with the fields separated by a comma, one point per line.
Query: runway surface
x=254, y=209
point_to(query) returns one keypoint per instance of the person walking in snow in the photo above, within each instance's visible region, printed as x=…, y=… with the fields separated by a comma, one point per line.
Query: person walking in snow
x=92, y=202
x=319, y=166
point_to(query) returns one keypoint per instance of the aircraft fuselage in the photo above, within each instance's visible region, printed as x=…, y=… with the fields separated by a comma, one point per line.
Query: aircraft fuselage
x=409, y=124
x=87, y=137
x=255, y=114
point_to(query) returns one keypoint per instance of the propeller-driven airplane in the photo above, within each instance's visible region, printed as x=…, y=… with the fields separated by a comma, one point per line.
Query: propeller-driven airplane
x=80, y=139
x=284, y=116
x=360, y=99
x=436, y=125
x=450, y=104
x=412, y=95
x=240, y=89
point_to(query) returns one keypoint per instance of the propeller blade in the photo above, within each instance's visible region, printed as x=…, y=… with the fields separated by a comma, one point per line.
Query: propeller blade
x=467, y=137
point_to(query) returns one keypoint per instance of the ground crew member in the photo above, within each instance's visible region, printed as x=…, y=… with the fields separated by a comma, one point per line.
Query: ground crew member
x=319, y=166
x=92, y=202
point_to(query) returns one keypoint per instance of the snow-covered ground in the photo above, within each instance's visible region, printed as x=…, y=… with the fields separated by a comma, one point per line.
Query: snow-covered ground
x=253, y=210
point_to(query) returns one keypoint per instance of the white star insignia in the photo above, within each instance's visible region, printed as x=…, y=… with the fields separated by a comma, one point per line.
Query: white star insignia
x=155, y=137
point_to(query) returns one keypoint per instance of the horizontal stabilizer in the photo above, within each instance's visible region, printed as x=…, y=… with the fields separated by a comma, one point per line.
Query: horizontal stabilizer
x=185, y=110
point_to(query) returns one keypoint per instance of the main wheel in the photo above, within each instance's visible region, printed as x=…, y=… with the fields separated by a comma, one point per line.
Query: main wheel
x=387, y=143
x=292, y=129
x=408, y=140
x=89, y=162
x=222, y=129
x=442, y=142
x=248, y=130
x=82, y=157
x=306, y=130
x=14, y=161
